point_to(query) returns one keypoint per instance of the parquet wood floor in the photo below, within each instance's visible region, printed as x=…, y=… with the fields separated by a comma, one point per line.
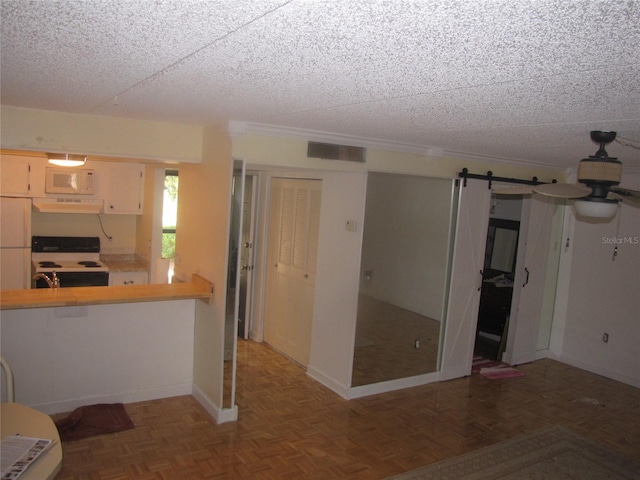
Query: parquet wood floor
x=291, y=427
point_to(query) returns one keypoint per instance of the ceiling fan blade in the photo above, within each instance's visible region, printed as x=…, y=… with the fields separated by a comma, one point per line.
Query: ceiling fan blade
x=562, y=190
x=627, y=195
x=614, y=196
x=519, y=190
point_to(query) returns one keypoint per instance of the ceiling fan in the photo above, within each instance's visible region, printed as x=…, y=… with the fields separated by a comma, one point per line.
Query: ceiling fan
x=598, y=179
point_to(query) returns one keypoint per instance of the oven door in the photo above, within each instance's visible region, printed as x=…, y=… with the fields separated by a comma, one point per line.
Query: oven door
x=76, y=279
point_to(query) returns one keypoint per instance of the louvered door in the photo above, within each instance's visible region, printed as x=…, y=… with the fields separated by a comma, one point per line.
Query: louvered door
x=293, y=244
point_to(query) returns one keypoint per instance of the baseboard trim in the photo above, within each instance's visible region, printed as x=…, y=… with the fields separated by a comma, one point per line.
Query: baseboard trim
x=597, y=369
x=68, y=405
x=328, y=382
x=350, y=393
x=391, y=385
x=220, y=415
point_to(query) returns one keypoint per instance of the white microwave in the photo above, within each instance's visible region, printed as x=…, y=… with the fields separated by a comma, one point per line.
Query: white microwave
x=70, y=180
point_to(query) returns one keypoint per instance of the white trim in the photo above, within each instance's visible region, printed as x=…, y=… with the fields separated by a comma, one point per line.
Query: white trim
x=391, y=385
x=220, y=415
x=328, y=382
x=350, y=393
x=237, y=129
x=226, y=415
x=122, y=397
x=597, y=369
x=563, y=283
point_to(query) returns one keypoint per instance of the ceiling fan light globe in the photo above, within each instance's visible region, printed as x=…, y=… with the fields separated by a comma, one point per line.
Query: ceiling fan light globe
x=601, y=208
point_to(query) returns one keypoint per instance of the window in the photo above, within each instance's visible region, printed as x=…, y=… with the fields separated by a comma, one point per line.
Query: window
x=169, y=218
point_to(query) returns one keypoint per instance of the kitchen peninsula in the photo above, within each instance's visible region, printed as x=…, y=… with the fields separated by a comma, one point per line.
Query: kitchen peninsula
x=198, y=288
x=76, y=346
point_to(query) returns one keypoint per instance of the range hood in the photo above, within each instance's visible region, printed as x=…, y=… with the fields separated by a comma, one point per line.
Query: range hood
x=67, y=205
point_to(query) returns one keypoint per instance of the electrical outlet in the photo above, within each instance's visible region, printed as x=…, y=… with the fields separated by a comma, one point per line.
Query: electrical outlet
x=605, y=337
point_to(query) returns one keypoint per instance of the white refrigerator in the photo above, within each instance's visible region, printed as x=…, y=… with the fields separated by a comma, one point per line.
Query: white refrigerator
x=15, y=243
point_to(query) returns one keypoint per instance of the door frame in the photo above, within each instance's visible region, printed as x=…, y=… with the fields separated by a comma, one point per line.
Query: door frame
x=247, y=270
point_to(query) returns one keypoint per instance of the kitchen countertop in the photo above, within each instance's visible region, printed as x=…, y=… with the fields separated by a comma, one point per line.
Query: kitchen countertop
x=125, y=263
x=198, y=288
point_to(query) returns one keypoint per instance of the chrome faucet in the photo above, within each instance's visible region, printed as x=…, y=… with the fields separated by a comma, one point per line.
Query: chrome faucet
x=53, y=282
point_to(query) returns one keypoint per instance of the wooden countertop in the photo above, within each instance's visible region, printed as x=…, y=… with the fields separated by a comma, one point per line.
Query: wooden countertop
x=198, y=288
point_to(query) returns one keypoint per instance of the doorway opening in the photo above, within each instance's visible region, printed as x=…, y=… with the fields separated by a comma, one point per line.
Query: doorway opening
x=498, y=274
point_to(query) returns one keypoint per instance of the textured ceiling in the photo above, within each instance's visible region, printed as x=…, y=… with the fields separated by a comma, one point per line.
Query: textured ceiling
x=515, y=79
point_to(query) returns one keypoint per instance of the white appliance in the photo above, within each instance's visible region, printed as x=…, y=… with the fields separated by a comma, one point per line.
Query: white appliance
x=15, y=243
x=67, y=205
x=75, y=260
x=70, y=181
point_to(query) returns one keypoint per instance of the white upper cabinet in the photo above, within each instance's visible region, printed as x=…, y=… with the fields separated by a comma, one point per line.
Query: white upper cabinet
x=119, y=184
x=15, y=172
x=122, y=188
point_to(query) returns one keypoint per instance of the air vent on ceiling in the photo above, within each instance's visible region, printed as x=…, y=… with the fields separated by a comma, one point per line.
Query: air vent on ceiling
x=329, y=151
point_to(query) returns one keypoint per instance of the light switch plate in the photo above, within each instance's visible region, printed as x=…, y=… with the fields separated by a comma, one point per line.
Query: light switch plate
x=351, y=225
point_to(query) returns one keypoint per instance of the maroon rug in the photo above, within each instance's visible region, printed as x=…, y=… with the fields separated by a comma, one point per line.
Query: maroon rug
x=494, y=369
x=94, y=420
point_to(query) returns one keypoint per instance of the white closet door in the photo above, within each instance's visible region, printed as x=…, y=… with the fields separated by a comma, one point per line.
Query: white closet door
x=293, y=244
x=278, y=307
x=308, y=281
x=466, y=279
x=529, y=283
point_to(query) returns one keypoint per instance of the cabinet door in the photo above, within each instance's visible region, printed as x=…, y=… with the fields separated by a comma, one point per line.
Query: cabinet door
x=16, y=268
x=124, y=189
x=14, y=176
x=128, y=278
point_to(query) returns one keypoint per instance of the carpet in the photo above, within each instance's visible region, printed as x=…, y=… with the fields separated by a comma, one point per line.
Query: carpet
x=94, y=420
x=553, y=453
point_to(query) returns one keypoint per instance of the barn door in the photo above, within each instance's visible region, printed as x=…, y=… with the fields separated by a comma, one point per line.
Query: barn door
x=294, y=221
x=530, y=280
x=466, y=279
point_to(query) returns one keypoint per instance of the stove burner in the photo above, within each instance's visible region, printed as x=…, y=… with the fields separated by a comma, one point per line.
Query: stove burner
x=89, y=264
x=49, y=265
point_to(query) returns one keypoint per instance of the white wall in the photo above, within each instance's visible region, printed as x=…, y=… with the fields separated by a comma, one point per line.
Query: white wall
x=46, y=131
x=506, y=207
x=337, y=280
x=599, y=293
x=66, y=357
x=121, y=229
x=202, y=237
